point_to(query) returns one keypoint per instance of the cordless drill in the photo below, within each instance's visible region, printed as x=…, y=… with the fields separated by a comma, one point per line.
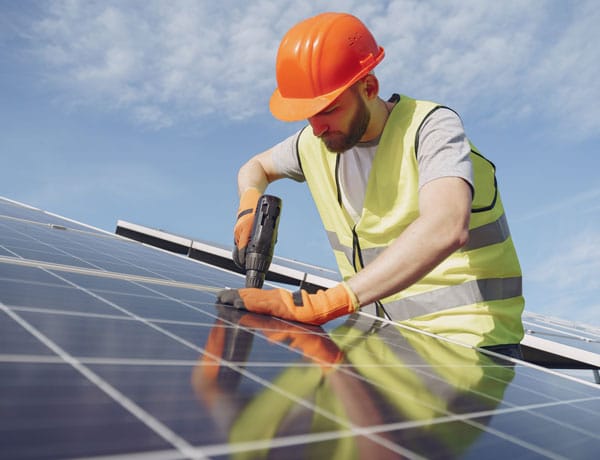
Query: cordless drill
x=261, y=246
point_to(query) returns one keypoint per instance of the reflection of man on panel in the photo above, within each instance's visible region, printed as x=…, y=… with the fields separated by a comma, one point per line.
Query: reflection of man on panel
x=356, y=380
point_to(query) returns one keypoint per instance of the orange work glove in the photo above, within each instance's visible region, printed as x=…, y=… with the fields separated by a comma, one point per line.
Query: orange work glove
x=243, y=225
x=298, y=306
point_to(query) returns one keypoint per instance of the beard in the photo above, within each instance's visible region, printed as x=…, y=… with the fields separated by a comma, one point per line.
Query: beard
x=338, y=142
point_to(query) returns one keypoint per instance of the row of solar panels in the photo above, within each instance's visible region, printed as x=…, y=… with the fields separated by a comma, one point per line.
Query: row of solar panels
x=110, y=348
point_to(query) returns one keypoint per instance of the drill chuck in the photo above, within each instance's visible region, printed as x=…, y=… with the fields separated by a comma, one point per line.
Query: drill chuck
x=259, y=252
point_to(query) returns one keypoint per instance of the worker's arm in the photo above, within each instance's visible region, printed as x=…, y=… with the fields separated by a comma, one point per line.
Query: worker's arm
x=257, y=173
x=441, y=228
x=253, y=178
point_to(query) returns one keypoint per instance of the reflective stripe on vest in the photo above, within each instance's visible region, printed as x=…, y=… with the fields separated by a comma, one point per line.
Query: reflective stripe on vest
x=486, y=235
x=444, y=298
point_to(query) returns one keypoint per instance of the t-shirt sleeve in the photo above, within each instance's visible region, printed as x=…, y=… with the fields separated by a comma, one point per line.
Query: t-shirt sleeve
x=443, y=149
x=285, y=158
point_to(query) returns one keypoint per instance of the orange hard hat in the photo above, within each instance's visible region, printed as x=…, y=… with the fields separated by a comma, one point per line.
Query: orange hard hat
x=317, y=60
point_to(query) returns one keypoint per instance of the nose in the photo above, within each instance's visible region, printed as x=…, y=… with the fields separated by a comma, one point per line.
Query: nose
x=318, y=126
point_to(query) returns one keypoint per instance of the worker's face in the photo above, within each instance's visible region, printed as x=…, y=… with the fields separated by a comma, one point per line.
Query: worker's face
x=343, y=123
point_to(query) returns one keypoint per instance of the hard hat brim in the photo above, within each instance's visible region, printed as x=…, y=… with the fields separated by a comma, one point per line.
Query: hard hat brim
x=296, y=109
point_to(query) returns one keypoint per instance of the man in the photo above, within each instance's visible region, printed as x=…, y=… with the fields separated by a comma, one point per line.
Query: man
x=410, y=207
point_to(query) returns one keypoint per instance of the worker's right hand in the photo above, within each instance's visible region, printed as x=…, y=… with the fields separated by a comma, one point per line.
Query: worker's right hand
x=243, y=226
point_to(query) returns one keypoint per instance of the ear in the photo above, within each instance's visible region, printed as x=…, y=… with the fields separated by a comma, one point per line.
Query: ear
x=371, y=87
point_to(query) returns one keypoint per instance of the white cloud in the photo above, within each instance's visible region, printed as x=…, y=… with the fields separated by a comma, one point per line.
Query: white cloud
x=188, y=59
x=507, y=61
x=461, y=49
x=569, y=69
x=149, y=115
x=182, y=59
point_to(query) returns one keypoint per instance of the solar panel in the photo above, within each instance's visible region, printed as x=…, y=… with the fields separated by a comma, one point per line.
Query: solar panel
x=112, y=348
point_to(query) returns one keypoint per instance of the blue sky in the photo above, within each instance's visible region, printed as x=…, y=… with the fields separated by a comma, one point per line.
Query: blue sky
x=144, y=111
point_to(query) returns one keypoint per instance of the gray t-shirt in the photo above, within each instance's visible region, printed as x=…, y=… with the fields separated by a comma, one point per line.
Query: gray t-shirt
x=443, y=151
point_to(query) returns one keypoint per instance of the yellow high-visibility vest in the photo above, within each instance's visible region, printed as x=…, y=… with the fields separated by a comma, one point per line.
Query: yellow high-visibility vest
x=473, y=296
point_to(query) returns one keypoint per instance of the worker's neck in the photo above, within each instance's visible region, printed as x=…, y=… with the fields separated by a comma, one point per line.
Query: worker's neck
x=379, y=115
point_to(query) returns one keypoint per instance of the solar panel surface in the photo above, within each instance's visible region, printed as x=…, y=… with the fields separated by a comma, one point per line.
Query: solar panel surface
x=110, y=348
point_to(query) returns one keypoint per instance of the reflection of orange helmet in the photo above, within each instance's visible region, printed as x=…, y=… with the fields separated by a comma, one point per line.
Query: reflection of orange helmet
x=317, y=60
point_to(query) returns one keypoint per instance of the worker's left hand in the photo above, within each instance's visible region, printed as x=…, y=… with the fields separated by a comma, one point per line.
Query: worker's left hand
x=300, y=306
